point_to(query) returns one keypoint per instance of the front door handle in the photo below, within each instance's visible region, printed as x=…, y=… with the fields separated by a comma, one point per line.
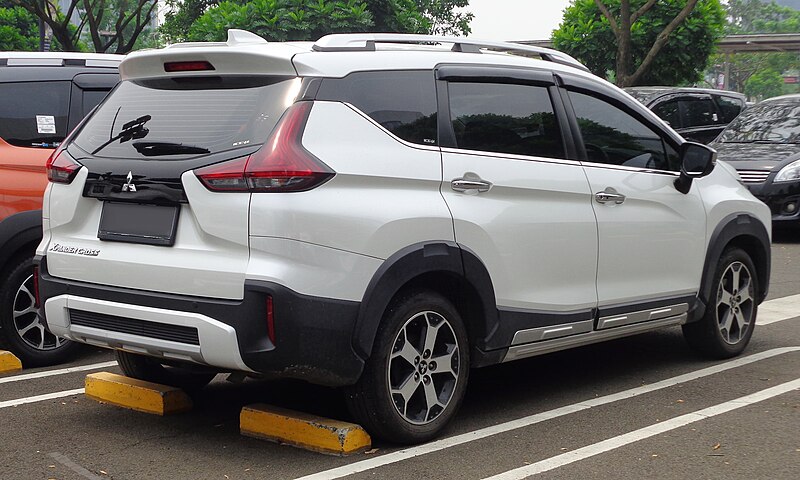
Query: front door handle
x=609, y=195
x=470, y=184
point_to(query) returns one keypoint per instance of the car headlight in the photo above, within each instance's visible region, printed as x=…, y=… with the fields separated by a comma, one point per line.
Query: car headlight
x=789, y=173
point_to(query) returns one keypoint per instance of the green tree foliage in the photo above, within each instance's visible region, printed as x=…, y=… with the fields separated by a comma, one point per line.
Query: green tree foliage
x=282, y=20
x=111, y=26
x=665, y=42
x=763, y=84
x=445, y=17
x=19, y=30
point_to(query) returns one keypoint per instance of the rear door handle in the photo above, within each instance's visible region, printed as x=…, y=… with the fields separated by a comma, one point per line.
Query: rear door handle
x=609, y=195
x=470, y=183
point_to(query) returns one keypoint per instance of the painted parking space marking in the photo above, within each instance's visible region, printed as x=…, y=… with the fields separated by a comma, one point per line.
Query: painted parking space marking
x=479, y=434
x=644, y=433
x=778, y=310
x=61, y=371
x=41, y=398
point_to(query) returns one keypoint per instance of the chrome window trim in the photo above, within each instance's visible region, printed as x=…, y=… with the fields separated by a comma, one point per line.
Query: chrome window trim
x=608, y=166
x=510, y=156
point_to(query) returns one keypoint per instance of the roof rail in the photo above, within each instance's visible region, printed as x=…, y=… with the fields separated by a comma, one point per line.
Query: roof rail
x=353, y=42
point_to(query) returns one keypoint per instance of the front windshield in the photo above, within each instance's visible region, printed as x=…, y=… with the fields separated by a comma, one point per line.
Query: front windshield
x=770, y=122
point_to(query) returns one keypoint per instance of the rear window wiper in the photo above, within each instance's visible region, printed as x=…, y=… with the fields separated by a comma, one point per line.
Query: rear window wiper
x=155, y=149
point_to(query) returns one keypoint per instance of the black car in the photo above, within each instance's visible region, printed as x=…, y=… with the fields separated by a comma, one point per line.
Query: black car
x=699, y=114
x=763, y=144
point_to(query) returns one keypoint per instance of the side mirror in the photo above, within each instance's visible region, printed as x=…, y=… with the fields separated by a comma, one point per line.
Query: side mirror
x=697, y=160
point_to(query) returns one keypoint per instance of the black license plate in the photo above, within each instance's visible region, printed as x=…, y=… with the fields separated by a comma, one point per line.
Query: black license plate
x=136, y=223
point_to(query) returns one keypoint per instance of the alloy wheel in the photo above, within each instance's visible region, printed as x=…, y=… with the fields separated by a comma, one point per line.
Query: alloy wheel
x=735, y=302
x=423, y=368
x=27, y=323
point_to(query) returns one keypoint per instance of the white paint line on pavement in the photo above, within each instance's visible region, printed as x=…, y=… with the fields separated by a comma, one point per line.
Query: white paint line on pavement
x=62, y=371
x=67, y=462
x=778, y=309
x=644, y=433
x=479, y=434
x=41, y=398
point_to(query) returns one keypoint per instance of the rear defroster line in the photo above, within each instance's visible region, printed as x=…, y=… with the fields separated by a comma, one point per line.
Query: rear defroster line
x=482, y=433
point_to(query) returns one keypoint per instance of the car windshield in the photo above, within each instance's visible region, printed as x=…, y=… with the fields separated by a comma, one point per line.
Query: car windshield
x=770, y=122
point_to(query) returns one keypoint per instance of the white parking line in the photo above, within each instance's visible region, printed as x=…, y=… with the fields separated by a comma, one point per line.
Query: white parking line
x=41, y=398
x=412, y=452
x=643, y=433
x=62, y=371
x=778, y=309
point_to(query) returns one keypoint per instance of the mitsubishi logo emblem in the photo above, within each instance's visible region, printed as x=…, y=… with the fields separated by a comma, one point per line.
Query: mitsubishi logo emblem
x=129, y=186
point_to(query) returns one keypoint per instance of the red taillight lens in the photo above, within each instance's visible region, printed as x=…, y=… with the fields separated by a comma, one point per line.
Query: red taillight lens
x=188, y=66
x=282, y=164
x=36, y=286
x=61, y=168
x=270, y=320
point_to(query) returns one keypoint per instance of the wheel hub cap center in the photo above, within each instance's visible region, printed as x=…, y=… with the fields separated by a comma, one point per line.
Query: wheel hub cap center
x=423, y=367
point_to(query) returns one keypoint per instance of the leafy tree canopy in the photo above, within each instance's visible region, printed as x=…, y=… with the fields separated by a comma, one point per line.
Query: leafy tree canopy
x=765, y=83
x=18, y=30
x=669, y=40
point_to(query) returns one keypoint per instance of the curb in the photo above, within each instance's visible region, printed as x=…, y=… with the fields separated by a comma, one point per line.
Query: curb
x=136, y=394
x=302, y=430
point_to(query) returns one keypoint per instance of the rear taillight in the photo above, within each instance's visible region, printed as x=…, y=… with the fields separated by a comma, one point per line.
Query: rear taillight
x=61, y=168
x=282, y=164
x=36, y=286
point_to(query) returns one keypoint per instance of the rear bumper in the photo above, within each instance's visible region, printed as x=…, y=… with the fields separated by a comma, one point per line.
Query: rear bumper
x=313, y=336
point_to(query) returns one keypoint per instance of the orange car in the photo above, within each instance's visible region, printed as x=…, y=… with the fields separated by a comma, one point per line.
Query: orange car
x=42, y=97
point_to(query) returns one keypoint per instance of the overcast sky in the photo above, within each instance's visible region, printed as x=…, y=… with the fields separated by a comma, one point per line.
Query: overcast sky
x=515, y=19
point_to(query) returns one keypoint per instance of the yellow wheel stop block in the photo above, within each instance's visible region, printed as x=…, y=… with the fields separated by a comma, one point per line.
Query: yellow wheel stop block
x=302, y=430
x=136, y=394
x=9, y=362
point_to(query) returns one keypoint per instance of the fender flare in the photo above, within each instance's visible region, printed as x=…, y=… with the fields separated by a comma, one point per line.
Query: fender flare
x=19, y=230
x=735, y=226
x=435, y=257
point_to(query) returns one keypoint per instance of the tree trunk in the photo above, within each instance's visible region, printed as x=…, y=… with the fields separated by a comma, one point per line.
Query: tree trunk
x=624, y=53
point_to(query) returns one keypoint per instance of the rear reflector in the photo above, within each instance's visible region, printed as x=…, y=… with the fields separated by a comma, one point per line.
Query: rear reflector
x=282, y=164
x=270, y=320
x=188, y=66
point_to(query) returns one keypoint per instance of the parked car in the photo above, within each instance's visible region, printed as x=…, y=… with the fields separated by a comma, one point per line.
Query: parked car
x=763, y=144
x=699, y=114
x=44, y=96
x=378, y=213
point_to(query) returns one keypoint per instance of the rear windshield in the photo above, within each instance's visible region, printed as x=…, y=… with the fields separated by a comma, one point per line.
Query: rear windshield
x=178, y=118
x=769, y=122
x=34, y=114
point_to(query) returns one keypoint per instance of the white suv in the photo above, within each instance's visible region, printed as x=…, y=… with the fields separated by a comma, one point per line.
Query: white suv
x=383, y=213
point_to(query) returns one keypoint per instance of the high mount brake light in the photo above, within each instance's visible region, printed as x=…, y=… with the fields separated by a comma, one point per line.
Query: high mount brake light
x=61, y=168
x=282, y=164
x=196, y=66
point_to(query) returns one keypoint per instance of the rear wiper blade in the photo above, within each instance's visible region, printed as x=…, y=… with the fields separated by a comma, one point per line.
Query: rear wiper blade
x=154, y=149
x=133, y=129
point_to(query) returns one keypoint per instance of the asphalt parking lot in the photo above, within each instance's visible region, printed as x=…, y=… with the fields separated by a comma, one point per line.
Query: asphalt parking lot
x=642, y=407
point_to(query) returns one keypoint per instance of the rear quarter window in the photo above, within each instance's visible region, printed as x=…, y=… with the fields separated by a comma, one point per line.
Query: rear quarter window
x=403, y=102
x=34, y=114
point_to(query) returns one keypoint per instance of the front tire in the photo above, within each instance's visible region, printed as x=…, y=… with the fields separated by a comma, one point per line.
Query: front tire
x=730, y=317
x=22, y=331
x=150, y=369
x=414, y=381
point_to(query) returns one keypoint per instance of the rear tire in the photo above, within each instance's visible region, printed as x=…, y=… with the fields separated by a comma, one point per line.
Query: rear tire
x=150, y=369
x=21, y=329
x=414, y=381
x=730, y=317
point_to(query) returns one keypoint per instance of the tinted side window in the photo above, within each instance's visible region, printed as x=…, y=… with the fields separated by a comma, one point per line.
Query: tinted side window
x=697, y=112
x=615, y=137
x=34, y=114
x=505, y=118
x=670, y=112
x=91, y=98
x=404, y=102
x=729, y=107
